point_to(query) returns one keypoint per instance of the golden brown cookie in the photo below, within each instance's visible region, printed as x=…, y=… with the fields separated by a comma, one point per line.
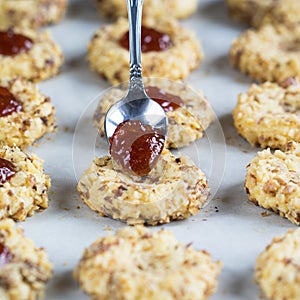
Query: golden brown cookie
x=277, y=269
x=31, y=13
x=23, y=184
x=269, y=115
x=152, y=8
x=175, y=189
x=273, y=181
x=191, y=115
x=283, y=12
x=29, y=54
x=249, y=11
x=137, y=263
x=25, y=269
x=25, y=113
x=181, y=54
x=268, y=54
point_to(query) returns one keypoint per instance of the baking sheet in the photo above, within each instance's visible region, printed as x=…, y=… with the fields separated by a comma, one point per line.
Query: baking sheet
x=229, y=227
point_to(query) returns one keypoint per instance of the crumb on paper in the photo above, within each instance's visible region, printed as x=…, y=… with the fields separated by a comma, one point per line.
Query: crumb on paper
x=207, y=72
x=266, y=214
x=107, y=228
x=66, y=129
x=65, y=264
x=78, y=207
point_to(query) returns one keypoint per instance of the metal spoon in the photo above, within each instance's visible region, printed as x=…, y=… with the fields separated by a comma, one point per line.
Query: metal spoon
x=136, y=105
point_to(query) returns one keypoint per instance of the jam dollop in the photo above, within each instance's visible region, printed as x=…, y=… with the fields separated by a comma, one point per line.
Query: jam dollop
x=8, y=103
x=167, y=101
x=136, y=147
x=12, y=43
x=5, y=255
x=151, y=40
x=7, y=170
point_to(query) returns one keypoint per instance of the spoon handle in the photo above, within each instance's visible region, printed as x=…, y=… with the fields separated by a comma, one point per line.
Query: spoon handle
x=134, y=8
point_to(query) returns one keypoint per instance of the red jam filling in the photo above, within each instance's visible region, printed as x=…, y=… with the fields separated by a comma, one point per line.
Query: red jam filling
x=136, y=147
x=8, y=103
x=167, y=101
x=7, y=170
x=12, y=43
x=5, y=255
x=151, y=40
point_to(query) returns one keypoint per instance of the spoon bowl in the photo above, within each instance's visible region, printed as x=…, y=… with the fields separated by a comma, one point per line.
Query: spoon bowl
x=144, y=109
x=136, y=105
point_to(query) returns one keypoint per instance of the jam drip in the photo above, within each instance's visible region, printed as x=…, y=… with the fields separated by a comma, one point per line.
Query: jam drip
x=167, y=101
x=136, y=147
x=12, y=43
x=151, y=40
x=7, y=170
x=5, y=255
x=8, y=103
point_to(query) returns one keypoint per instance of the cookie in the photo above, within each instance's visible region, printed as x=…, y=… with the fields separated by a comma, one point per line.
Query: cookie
x=137, y=263
x=151, y=8
x=249, y=11
x=173, y=51
x=284, y=12
x=23, y=184
x=28, y=54
x=273, y=181
x=189, y=115
x=269, y=114
x=25, y=113
x=25, y=269
x=267, y=54
x=175, y=189
x=31, y=14
x=258, y=13
x=277, y=269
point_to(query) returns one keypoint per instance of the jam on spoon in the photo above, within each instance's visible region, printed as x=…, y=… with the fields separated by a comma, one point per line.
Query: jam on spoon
x=151, y=40
x=8, y=103
x=167, y=101
x=136, y=147
x=7, y=170
x=12, y=44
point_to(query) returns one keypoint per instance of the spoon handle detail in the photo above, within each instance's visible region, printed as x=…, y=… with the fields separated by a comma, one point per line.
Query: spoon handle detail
x=134, y=8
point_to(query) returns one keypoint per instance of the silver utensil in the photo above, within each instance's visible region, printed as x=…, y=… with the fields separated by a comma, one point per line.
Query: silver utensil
x=136, y=105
